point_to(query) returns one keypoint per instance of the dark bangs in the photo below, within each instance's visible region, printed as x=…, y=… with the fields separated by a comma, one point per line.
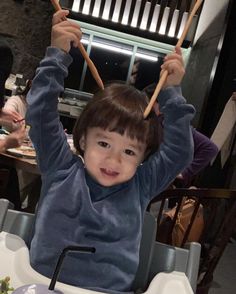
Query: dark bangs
x=118, y=108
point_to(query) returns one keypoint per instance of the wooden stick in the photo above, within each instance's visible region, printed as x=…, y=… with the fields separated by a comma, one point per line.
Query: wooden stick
x=56, y=5
x=165, y=73
x=84, y=53
x=91, y=66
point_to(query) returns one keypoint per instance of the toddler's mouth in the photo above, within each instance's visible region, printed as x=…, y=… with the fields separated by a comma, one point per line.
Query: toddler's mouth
x=108, y=172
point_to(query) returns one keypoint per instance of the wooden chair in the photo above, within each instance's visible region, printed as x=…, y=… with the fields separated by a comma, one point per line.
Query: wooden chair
x=219, y=206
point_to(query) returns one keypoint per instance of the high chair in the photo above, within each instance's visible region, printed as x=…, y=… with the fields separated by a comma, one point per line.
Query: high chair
x=16, y=222
x=3, y=211
x=154, y=257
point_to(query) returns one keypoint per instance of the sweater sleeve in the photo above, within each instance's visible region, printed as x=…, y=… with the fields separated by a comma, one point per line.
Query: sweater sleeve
x=16, y=103
x=176, y=150
x=204, y=151
x=46, y=131
x=11, y=104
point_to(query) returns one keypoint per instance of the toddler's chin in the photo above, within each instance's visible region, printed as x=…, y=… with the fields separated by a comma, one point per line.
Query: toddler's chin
x=107, y=183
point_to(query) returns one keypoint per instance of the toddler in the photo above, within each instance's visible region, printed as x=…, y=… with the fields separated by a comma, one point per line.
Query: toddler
x=99, y=199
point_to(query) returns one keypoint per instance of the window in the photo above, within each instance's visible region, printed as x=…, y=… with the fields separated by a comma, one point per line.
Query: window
x=76, y=68
x=117, y=56
x=146, y=68
x=112, y=60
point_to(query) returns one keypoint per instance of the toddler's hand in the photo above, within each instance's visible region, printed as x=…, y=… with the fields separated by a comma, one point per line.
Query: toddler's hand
x=174, y=65
x=64, y=32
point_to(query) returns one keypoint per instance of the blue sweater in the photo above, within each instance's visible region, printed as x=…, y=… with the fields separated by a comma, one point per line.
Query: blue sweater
x=75, y=210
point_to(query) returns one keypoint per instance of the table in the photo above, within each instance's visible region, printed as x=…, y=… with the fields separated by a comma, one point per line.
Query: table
x=25, y=164
x=14, y=256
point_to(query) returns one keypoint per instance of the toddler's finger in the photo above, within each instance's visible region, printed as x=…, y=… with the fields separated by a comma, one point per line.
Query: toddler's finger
x=168, y=63
x=68, y=27
x=178, y=50
x=174, y=67
x=174, y=56
x=59, y=16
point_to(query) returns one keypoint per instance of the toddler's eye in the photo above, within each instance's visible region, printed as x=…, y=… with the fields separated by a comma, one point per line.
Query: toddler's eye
x=129, y=152
x=103, y=144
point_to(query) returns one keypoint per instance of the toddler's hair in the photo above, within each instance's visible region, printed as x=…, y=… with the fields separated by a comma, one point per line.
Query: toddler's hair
x=118, y=108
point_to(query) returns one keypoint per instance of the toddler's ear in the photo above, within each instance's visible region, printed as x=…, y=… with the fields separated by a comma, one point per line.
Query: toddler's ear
x=82, y=143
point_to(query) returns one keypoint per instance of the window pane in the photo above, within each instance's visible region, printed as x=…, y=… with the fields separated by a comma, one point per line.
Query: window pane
x=76, y=67
x=112, y=61
x=146, y=68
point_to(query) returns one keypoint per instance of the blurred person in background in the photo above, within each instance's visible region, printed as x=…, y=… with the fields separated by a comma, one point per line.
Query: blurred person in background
x=7, y=118
x=204, y=149
x=29, y=184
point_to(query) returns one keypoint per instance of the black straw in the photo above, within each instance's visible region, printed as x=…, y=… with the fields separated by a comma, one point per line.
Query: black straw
x=61, y=258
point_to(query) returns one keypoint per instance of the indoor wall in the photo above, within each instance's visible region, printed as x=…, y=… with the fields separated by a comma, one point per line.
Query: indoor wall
x=27, y=27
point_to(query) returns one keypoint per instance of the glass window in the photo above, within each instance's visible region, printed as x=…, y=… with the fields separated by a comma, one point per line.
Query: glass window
x=112, y=60
x=76, y=67
x=146, y=68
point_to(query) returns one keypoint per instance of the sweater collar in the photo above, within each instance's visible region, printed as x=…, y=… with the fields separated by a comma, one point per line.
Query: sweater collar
x=99, y=192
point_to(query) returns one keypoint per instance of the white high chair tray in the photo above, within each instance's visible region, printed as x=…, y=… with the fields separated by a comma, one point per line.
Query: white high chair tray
x=14, y=256
x=170, y=283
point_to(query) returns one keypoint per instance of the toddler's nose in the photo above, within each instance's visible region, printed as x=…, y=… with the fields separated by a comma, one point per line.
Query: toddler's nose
x=115, y=157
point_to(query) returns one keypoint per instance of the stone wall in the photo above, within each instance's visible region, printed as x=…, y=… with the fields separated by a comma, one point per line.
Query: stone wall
x=26, y=25
x=203, y=59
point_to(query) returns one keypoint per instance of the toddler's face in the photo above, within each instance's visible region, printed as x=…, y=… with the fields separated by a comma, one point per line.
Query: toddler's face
x=111, y=158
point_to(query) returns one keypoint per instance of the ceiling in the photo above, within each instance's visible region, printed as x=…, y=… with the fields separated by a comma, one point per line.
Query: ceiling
x=161, y=20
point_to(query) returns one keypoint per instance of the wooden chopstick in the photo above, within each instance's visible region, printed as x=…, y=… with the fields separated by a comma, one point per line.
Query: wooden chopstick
x=56, y=5
x=91, y=66
x=84, y=53
x=165, y=73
